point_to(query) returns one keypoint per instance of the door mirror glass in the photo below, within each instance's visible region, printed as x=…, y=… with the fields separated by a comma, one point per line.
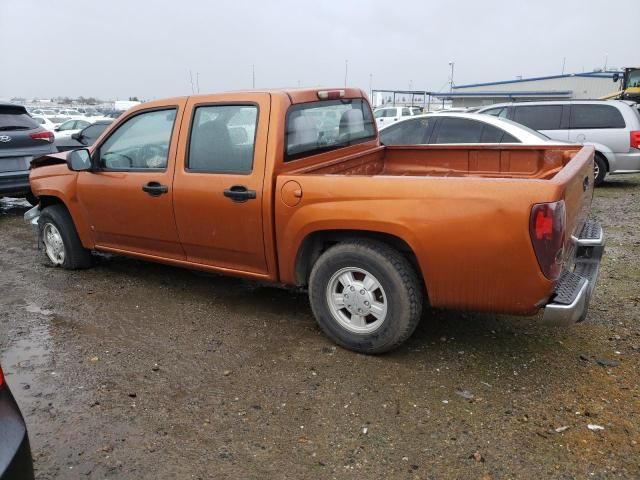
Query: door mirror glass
x=79, y=160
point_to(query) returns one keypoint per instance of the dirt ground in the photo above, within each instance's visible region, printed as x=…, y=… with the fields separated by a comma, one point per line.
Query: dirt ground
x=136, y=370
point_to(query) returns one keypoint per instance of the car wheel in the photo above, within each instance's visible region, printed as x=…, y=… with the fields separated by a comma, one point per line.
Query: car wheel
x=365, y=296
x=599, y=170
x=60, y=245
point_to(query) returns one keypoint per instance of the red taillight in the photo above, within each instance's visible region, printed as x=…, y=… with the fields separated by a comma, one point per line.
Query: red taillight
x=1, y=379
x=547, y=231
x=634, y=139
x=330, y=94
x=46, y=135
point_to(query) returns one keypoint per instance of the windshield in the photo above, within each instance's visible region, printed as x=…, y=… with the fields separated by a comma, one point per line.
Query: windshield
x=533, y=132
x=326, y=125
x=634, y=79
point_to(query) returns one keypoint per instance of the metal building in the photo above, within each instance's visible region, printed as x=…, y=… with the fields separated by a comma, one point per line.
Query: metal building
x=570, y=86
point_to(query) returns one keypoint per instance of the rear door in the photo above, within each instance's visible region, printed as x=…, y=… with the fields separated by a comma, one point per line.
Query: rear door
x=218, y=181
x=599, y=124
x=550, y=120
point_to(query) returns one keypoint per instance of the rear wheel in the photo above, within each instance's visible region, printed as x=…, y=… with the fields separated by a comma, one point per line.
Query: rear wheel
x=365, y=296
x=599, y=170
x=60, y=245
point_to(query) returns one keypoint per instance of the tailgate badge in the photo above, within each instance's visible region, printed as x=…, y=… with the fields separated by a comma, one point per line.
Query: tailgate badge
x=5, y=138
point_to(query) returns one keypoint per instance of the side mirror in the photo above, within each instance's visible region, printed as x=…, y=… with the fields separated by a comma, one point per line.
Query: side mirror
x=57, y=129
x=76, y=136
x=616, y=77
x=79, y=160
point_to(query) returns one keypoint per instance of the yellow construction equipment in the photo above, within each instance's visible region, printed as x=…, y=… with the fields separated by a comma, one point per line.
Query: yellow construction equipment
x=629, y=87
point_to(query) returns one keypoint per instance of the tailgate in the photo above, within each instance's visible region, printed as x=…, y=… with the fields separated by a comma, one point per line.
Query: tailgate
x=576, y=180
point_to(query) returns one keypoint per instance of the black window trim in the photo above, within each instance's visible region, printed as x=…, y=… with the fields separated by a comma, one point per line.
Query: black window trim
x=221, y=104
x=286, y=158
x=95, y=158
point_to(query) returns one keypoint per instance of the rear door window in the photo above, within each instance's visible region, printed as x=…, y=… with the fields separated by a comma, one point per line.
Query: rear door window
x=539, y=117
x=458, y=130
x=406, y=112
x=222, y=139
x=595, y=116
x=491, y=134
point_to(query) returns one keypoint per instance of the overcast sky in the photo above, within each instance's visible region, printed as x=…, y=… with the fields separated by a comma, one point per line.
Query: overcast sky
x=119, y=48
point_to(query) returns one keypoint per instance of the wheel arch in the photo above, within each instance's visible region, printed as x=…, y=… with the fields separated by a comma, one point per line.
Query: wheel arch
x=315, y=243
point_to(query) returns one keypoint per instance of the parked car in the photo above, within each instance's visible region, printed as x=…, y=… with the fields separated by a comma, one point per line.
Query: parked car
x=46, y=123
x=68, y=128
x=387, y=115
x=70, y=113
x=21, y=140
x=611, y=126
x=451, y=128
x=371, y=230
x=84, y=138
x=15, y=453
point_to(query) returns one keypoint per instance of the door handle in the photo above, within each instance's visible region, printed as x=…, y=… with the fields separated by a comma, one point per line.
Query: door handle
x=155, y=189
x=239, y=193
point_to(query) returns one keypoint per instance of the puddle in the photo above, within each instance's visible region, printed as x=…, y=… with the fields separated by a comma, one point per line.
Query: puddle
x=24, y=359
x=33, y=308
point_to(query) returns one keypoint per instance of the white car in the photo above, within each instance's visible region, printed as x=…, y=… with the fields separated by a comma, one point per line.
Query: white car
x=457, y=128
x=68, y=128
x=45, y=122
x=388, y=115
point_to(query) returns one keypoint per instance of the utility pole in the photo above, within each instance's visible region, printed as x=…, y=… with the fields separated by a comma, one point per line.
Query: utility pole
x=451, y=64
x=346, y=71
x=371, y=87
x=253, y=75
x=564, y=60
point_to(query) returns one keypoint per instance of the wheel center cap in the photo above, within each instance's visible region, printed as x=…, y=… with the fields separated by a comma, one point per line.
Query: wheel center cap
x=357, y=300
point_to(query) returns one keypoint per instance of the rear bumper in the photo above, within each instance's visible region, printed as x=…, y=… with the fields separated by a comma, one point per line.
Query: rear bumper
x=626, y=162
x=15, y=453
x=14, y=183
x=570, y=300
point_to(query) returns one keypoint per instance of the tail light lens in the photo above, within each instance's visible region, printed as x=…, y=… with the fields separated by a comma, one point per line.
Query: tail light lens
x=547, y=230
x=634, y=139
x=47, y=136
x=1, y=379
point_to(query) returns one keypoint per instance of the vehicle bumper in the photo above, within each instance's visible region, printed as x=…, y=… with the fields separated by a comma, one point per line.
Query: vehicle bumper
x=626, y=162
x=569, y=303
x=15, y=453
x=32, y=216
x=14, y=183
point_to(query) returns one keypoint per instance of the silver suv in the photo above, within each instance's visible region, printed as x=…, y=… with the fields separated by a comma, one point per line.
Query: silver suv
x=612, y=127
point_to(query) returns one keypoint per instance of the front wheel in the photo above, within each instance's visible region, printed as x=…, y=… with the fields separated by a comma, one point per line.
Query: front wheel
x=60, y=245
x=365, y=296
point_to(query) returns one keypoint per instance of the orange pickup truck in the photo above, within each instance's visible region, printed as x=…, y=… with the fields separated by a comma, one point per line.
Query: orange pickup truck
x=294, y=187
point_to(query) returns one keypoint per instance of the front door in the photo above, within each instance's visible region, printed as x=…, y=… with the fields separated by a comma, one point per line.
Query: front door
x=218, y=181
x=129, y=197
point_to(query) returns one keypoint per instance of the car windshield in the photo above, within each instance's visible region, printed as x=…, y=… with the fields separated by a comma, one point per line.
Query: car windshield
x=533, y=132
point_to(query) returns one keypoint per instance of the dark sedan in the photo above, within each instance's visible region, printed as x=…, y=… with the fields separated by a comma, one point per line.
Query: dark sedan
x=21, y=140
x=15, y=453
x=84, y=138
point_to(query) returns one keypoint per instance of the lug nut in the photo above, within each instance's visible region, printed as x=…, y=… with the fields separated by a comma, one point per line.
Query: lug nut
x=366, y=303
x=353, y=289
x=362, y=292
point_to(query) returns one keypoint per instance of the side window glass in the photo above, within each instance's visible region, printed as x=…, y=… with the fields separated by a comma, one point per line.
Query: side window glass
x=491, y=134
x=539, y=117
x=390, y=112
x=596, y=116
x=411, y=132
x=222, y=139
x=405, y=112
x=459, y=130
x=508, y=138
x=142, y=142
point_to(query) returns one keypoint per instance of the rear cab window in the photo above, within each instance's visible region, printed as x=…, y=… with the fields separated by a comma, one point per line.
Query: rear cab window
x=317, y=127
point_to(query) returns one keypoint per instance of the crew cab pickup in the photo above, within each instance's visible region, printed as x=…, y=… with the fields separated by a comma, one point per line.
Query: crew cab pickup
x=294, y=187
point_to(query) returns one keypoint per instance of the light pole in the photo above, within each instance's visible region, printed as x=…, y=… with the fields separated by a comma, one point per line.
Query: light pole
x=451, y=64
x=371, y=87
x=346, y=70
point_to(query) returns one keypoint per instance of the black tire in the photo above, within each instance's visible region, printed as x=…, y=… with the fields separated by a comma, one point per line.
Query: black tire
x=600, y=166
x=75, y=255
x=396, y=276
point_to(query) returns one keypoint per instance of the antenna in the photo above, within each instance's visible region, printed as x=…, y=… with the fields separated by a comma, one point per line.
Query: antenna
x=253, y=75
x=191, y=80
x=346, y=71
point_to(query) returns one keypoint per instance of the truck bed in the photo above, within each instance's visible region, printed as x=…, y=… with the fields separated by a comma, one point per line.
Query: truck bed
x=516, y=161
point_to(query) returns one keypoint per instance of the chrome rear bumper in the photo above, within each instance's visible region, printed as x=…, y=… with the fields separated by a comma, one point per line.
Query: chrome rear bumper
x=572, y=294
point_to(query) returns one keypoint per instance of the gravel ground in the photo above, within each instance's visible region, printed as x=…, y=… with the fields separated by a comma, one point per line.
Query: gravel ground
x=136, y=370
